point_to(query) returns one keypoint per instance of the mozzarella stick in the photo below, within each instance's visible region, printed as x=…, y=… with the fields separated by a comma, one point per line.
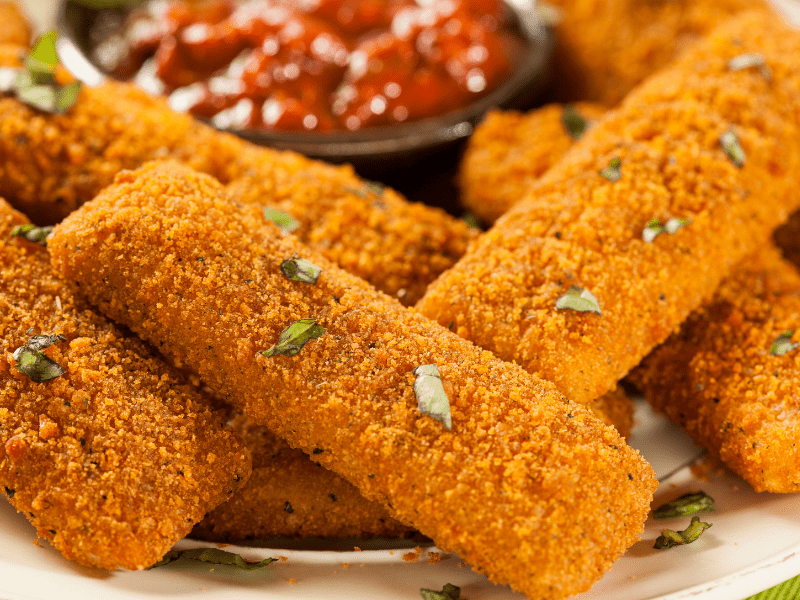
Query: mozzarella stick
x=604, y=48
x=115, y=459
x=639, y=222
x=489, y=461
x=51, y=164
x=509, y=151
x=730, y=376
x=290, y=496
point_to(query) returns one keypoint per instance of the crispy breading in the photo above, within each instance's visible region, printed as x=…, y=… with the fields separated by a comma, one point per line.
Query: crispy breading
x=509, y=151
x=529, y=488
x=787, y=238
x=290, y=496
x=718, y=380
x=13, y=25
x=604, y=48
x=117, y=459
x=50, y=164
x=581, y=228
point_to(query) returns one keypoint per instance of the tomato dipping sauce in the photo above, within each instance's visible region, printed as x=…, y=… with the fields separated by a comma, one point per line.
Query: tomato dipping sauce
x=315, y=65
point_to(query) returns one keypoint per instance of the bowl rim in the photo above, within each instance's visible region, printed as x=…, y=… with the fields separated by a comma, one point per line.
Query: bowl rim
x=430, y=133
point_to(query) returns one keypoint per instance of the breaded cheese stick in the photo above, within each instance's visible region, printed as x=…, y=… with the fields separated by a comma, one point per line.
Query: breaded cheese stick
x=51, y=164
x=604, y=48
x=13, y=25
x=529, y=488
x=582, y=228
x=510, y=150
x=116, y=459
x=290, y=496
x=724, y=379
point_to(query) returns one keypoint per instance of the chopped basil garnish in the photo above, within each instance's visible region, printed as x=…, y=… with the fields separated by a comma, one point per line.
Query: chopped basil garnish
x=32, y=233
x=432, y=400
x=471, y=220
x=285, y=221
x=669, y=538
x=375, y=187
x=612, y=172
x=746, y=61
x=449, y=592
x=294, y=337
x=730, y=144
x=35, y=84
x=578, y=299
x=573, y=122
x=299, y=269
x=654, y=228
x=213, y=556
x=688, y=504
x=36, y=365
x=783, y=344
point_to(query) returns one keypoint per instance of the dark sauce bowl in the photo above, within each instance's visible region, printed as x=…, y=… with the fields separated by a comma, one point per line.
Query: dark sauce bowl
x=430, y=144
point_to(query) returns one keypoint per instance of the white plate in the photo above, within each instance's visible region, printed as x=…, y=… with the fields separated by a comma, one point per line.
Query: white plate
x=754, y=542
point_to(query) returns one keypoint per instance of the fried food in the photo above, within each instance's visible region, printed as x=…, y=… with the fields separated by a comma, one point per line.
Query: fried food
x=510, y=150
x=290, y=496
x=718, y=379
x=604, y=48
x=50, y=164
x=529, y=488
x=115, y=460
x=13, y=25
x=582, y=224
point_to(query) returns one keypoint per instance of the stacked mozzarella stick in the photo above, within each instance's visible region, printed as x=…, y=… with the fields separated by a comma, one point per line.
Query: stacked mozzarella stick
x=508, y=475
x=727, y=376
x=115, y=459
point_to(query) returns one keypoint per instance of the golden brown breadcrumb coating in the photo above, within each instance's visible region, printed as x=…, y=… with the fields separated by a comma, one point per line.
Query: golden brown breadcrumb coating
x=604, y=48
x=290, y=496
x=719, y=381
x=118, y=458
x=13, y=25
x=51, y=164
x=509, y=151
x=579, y=227
x=529, y=488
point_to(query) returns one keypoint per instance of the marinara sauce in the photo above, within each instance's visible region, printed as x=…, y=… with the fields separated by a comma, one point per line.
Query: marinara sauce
x=316, y=65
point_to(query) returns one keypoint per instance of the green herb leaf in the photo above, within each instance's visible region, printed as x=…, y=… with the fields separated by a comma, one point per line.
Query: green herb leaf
x=688, y=504
x=41, y=97
x=578, y=299
x=35, y=85
x=42, y=60
x=33, y=363
x=449, y=592
x=613, y=172
x=573, y=122
x=670, y=539
x=213, y=556
x=673, y=225
x=67, y=96
x=294, y=337
x=283, y=220
x=375, y=187
x=730, y=144
x=746, y=61
x=32, y=233
x=432, y=400
x=299, y=269
x=654, y=228
x=471, y=220
x=783, y=344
